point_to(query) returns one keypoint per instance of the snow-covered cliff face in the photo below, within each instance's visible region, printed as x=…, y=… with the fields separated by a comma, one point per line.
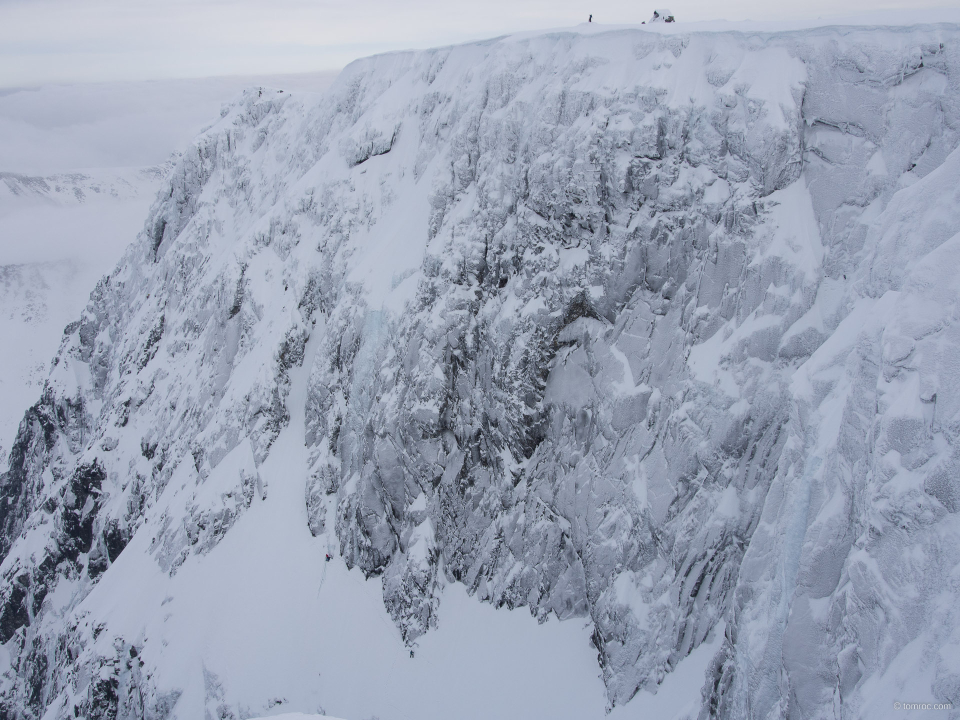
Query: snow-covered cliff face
x=653, y=330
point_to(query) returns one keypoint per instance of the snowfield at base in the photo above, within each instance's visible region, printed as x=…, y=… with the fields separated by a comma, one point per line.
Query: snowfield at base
x=297, y=716
x=615, y=369
x=287, y=626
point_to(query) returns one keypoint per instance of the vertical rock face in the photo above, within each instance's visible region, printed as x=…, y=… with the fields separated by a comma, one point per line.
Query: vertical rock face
x=656, y=331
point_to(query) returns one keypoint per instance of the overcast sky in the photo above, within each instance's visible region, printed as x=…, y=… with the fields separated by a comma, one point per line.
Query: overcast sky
x=44, y=41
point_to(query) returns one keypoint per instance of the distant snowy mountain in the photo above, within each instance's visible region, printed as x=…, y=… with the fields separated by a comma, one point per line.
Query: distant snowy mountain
x=650, y=333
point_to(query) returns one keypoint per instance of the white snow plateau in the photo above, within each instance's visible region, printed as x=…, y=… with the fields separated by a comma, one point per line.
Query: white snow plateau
x=617, y=372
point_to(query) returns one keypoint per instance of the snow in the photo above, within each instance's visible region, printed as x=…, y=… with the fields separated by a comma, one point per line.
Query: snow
x=628, y=386
x=80, y=166
x=622, y=327
x=420, y=504
x=796, y=236
x=889, y=19
x=267, y=617
x=676, y=698
x=53, y=251
x=295, y=716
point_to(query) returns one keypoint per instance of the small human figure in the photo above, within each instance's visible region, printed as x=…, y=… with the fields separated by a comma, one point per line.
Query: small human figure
x=411, y=653
x=590, y=19
x=329, y=558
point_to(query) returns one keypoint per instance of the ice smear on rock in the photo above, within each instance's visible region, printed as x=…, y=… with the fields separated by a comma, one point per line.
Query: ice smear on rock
x=653, y=333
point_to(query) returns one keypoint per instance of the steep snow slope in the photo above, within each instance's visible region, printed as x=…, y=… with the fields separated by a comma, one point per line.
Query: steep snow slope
x=653, y=334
